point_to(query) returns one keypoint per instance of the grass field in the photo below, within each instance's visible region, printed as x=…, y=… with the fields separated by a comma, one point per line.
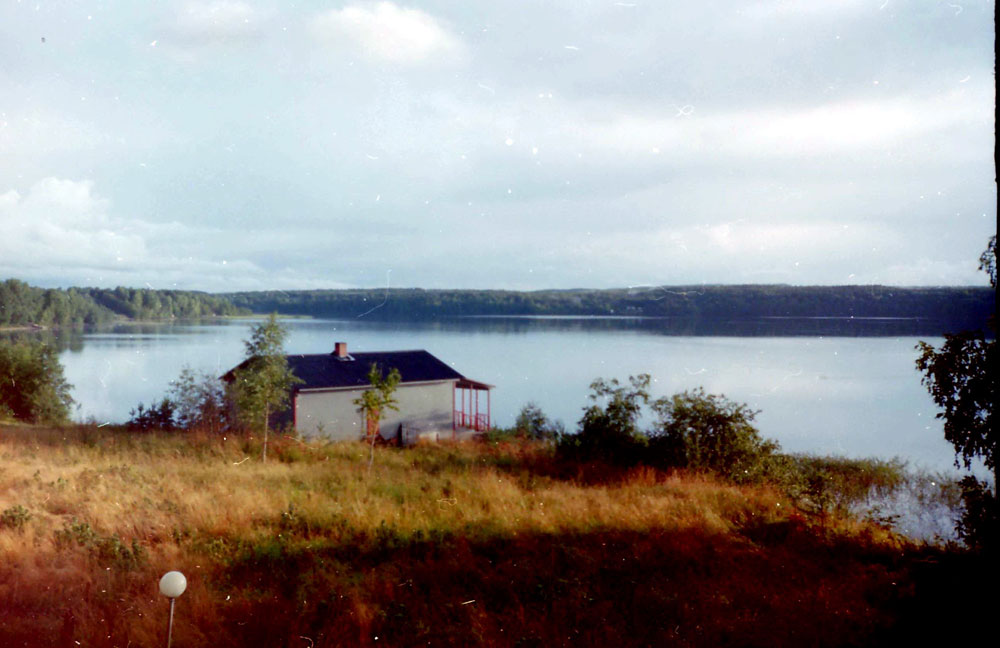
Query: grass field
x=472, y=545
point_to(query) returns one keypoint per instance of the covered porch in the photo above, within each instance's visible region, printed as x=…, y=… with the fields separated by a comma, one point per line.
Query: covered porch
x=469, y=413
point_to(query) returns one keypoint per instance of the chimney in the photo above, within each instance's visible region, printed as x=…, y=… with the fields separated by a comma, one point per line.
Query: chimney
x=340, y=349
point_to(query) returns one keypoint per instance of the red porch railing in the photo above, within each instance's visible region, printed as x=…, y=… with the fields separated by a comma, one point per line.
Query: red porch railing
x=466, y=413
x=477, y=422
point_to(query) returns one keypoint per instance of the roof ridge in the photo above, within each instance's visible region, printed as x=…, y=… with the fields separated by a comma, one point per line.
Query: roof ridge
x=303, y=355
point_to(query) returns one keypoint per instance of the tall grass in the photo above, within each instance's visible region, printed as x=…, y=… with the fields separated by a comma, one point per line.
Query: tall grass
x=490, y=544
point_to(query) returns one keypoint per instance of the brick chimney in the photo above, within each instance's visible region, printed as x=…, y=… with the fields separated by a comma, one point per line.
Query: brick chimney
x=340, y=349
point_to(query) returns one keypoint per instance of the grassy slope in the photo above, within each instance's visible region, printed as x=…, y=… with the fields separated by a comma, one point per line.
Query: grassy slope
x=458, y=545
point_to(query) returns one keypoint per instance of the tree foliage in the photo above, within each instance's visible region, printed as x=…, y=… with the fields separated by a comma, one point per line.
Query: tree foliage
x=24, y=305
x=157, y=417
x=955, y=305
x=693, y=429
x=961, y=377
x=262, y=383
x=709, y=432
x=532, y=423
x=200, y=401
x=379, y=397
x=609, y=429
x=33, y=387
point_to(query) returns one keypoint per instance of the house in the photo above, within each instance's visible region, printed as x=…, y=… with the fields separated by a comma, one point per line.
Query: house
x=434, y=400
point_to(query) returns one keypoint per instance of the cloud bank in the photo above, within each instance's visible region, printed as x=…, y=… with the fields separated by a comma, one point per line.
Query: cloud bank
x=237, y=145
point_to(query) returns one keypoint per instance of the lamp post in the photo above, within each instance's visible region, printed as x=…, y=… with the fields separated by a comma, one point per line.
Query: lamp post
x=172, y=585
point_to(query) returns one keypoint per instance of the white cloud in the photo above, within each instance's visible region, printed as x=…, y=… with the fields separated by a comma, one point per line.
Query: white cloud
x=931, y=272
x=220, y=21
x=830, y=128
x=60, y=229
x=387, y=32
x=771, y=9
x=61, y=223
x=31, y=131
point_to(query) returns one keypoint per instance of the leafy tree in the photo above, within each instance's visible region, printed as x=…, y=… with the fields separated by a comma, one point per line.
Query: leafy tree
x=200, y=401
x=610, y=432
x=709, y=432
x=32, y=385
x=262, y=383
x=532, y=423
x=962, y=379
x=374, y=401
x=156, y=417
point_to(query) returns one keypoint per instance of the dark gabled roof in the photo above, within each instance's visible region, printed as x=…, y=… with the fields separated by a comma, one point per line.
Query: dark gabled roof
x=325, y=370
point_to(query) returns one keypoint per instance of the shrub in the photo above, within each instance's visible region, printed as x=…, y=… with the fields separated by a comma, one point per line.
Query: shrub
x=610, y=433
x=980, y=521
x=155, y=418
x=32, y=385
x=709, y=432
x=532, y=423
x=826, y=484
x=14, y=518
x=201, y=403
x=109, y=551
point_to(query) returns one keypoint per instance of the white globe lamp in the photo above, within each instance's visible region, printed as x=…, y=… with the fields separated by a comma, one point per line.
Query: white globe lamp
x=172, y=585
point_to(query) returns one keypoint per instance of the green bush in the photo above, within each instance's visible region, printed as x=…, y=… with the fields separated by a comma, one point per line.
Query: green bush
x=14, y=518
x=610, y=432
x=532, y=423
x=110, y=551
x=154, y=418
x=826, y=484
x=980, y=522
x=32, y=385
x=709, y=432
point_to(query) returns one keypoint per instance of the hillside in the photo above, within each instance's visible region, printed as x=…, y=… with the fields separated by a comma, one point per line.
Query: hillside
x=937, y=309
x=470, y=545
x=25, y=305
x=956, y=307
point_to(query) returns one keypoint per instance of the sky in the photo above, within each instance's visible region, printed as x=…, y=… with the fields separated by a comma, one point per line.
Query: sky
x=242, y=145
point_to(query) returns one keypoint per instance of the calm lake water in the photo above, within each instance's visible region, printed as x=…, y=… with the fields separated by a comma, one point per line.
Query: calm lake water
x=845, y=388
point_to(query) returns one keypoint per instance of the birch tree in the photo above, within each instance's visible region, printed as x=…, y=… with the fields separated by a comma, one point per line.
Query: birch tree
x=263, y=382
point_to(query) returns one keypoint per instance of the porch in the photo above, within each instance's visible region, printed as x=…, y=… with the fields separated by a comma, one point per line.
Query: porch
x=468, y=415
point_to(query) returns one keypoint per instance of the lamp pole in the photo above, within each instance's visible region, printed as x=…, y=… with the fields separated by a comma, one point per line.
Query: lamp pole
x=172, y=585
x=170, y=624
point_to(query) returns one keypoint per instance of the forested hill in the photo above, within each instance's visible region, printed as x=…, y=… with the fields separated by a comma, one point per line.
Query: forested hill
x=956, y=308
x=960, y=307
x=24, y=305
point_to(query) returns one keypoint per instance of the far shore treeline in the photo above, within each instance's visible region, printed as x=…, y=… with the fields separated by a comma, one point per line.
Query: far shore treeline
x=25, y=305
x=953, y=308
x=956, y=307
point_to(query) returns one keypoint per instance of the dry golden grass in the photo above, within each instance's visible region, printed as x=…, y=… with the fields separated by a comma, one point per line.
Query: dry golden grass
x=317, y=545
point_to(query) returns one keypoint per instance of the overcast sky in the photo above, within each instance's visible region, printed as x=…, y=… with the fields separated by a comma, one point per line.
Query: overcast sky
x=234, y=145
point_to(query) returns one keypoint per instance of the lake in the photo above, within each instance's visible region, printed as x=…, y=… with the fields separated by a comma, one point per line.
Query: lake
x=822, y=386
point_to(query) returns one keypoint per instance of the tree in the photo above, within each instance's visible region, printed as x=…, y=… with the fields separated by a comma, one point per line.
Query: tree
x=709, y=432
x=262, y=383
x=962, y=379
x=532, y=423
x=611, y=432
x=374, y=401
x=32, y=385
x=155, y=417
x=200, y=401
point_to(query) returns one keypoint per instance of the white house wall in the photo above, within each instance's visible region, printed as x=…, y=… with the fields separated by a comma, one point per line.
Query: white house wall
x=425, y=409
x=331, y=414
